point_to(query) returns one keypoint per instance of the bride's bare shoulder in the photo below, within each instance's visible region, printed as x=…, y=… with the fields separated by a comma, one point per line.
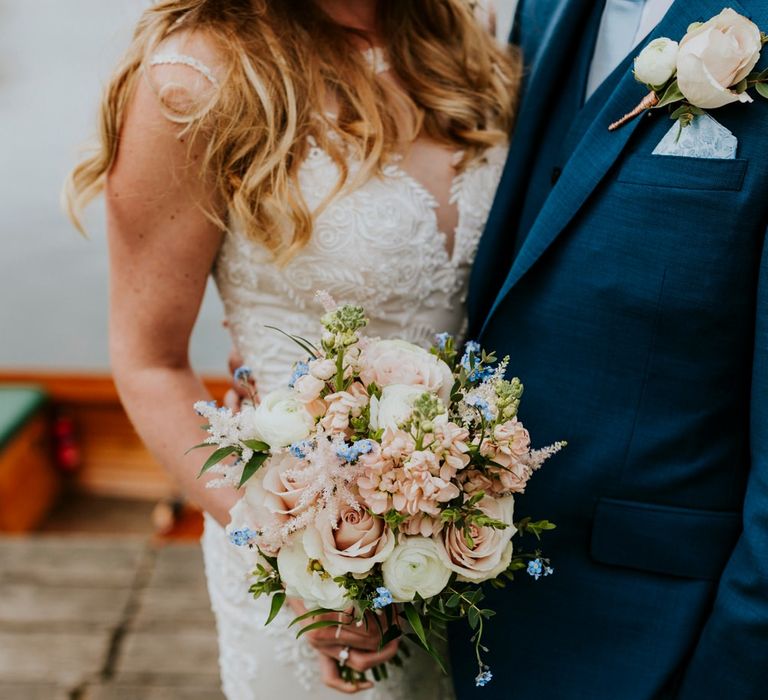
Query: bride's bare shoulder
x=186, y=71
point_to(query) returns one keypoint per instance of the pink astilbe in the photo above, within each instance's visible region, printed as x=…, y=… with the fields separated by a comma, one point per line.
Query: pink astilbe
x=328, y=486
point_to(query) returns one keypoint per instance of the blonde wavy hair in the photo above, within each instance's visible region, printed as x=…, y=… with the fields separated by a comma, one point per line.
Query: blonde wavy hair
x=282, y=63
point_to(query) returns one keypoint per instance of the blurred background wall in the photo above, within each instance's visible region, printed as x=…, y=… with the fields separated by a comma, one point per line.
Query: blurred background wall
x=55, y=56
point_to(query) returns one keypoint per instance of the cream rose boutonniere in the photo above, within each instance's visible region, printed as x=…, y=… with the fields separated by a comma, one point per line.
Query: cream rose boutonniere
x=711, y=67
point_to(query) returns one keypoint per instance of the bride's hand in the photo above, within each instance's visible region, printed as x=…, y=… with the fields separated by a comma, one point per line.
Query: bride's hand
x=235, y=396
x=361, y=644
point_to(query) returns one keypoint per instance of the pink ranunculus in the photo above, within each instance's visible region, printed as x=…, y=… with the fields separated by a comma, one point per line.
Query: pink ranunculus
x=387, y=362
x=449, y=443
x=421, y=524
x=491, y=550
x=343, y=406
x=378, y=481
x=422, y=488
x=397, y=445
x=473, y=481
x=353, y=543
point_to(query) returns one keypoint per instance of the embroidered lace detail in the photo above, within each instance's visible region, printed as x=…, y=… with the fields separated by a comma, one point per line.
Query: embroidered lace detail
x=379, y=246
x=182, y=59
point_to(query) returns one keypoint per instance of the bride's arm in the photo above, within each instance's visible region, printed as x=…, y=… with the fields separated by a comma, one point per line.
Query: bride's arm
x=162, y=247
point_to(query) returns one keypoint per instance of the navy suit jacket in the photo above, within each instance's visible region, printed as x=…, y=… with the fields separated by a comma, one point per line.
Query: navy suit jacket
x=636, y=313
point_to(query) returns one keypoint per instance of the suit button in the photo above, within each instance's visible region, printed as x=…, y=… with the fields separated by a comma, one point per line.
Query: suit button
x=556, y=173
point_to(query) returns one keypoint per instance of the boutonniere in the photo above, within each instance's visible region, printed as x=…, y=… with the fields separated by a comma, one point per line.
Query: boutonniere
x=710, y=68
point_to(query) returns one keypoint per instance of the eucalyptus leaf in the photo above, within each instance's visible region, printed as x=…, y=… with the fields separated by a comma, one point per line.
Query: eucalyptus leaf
x=256, y=445
x=216, y=457
x=319, y=625
x=740, y=87
x=414, y=620
x=310, y=613
x=277, y=603
x=671, y=94
x=762, y=89
x=252, y=466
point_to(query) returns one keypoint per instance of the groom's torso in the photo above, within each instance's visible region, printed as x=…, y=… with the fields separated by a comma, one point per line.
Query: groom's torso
x=623, y=285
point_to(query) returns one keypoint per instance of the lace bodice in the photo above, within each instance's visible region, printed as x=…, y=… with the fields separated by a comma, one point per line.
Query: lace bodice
x=379, y=246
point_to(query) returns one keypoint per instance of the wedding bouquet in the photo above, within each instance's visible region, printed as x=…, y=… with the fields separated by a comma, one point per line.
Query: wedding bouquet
x=381, y=480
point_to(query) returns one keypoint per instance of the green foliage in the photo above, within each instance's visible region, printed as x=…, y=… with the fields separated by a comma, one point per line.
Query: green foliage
x=304, y=344
x=526, y=525
x=252, y=466
x=508, y=396
x=762, y=89
x=256, y=445
x=466, y=515
x=670, y=95
x=277, y=603
x=216, y=457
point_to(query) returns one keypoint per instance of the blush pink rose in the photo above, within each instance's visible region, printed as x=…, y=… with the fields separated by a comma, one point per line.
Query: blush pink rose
x=491, y=551
x=352, y=543
x=283, y=484
x=386, y=362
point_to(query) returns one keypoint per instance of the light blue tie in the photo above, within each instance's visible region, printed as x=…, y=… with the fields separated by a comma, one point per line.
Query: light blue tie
x=615, y=39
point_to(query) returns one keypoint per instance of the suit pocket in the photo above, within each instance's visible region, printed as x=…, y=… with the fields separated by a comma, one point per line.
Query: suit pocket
x=678, y=172
x=683, y=542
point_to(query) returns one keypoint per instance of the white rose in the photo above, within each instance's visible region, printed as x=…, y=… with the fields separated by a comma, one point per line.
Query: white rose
x=415, y=567
x=394, y=407
x=386, y=362
x=657, y=62
x=281, y=419
x=316, y=588
x=715, y=56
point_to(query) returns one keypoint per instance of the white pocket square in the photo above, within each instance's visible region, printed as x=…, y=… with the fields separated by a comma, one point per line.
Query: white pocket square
x=704, y=138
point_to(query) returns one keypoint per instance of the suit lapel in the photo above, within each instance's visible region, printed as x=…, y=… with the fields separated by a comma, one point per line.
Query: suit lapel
x=599, y=148
x=545, y=53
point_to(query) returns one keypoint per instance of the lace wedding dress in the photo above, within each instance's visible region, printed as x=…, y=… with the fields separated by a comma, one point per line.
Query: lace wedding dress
x=380, y=246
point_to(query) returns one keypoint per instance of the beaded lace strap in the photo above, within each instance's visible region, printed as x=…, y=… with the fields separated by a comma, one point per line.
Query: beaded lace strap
x=182, y=59
x=377, y=58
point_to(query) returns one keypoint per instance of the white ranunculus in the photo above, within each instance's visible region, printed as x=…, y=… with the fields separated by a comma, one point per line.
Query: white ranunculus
x=281, y=419
x=415, y=567
x=395, y=405
x=715, y=56
x=316, y=588
x=657, y=62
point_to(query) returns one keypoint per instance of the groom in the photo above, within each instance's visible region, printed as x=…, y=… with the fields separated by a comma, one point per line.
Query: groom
x=631, y=292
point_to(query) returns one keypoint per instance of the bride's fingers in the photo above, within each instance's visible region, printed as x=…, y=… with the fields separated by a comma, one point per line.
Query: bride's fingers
x=340, y=636
x=362, y=661
x=232, y=400
x=329, y=673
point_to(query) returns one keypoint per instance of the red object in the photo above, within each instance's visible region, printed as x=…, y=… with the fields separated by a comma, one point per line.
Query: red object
x=66, y=451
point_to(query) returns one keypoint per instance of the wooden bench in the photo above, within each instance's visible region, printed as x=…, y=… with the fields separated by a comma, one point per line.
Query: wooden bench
x=29, y=482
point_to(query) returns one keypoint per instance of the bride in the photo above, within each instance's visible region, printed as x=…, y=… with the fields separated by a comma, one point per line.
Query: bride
x=287, y=146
